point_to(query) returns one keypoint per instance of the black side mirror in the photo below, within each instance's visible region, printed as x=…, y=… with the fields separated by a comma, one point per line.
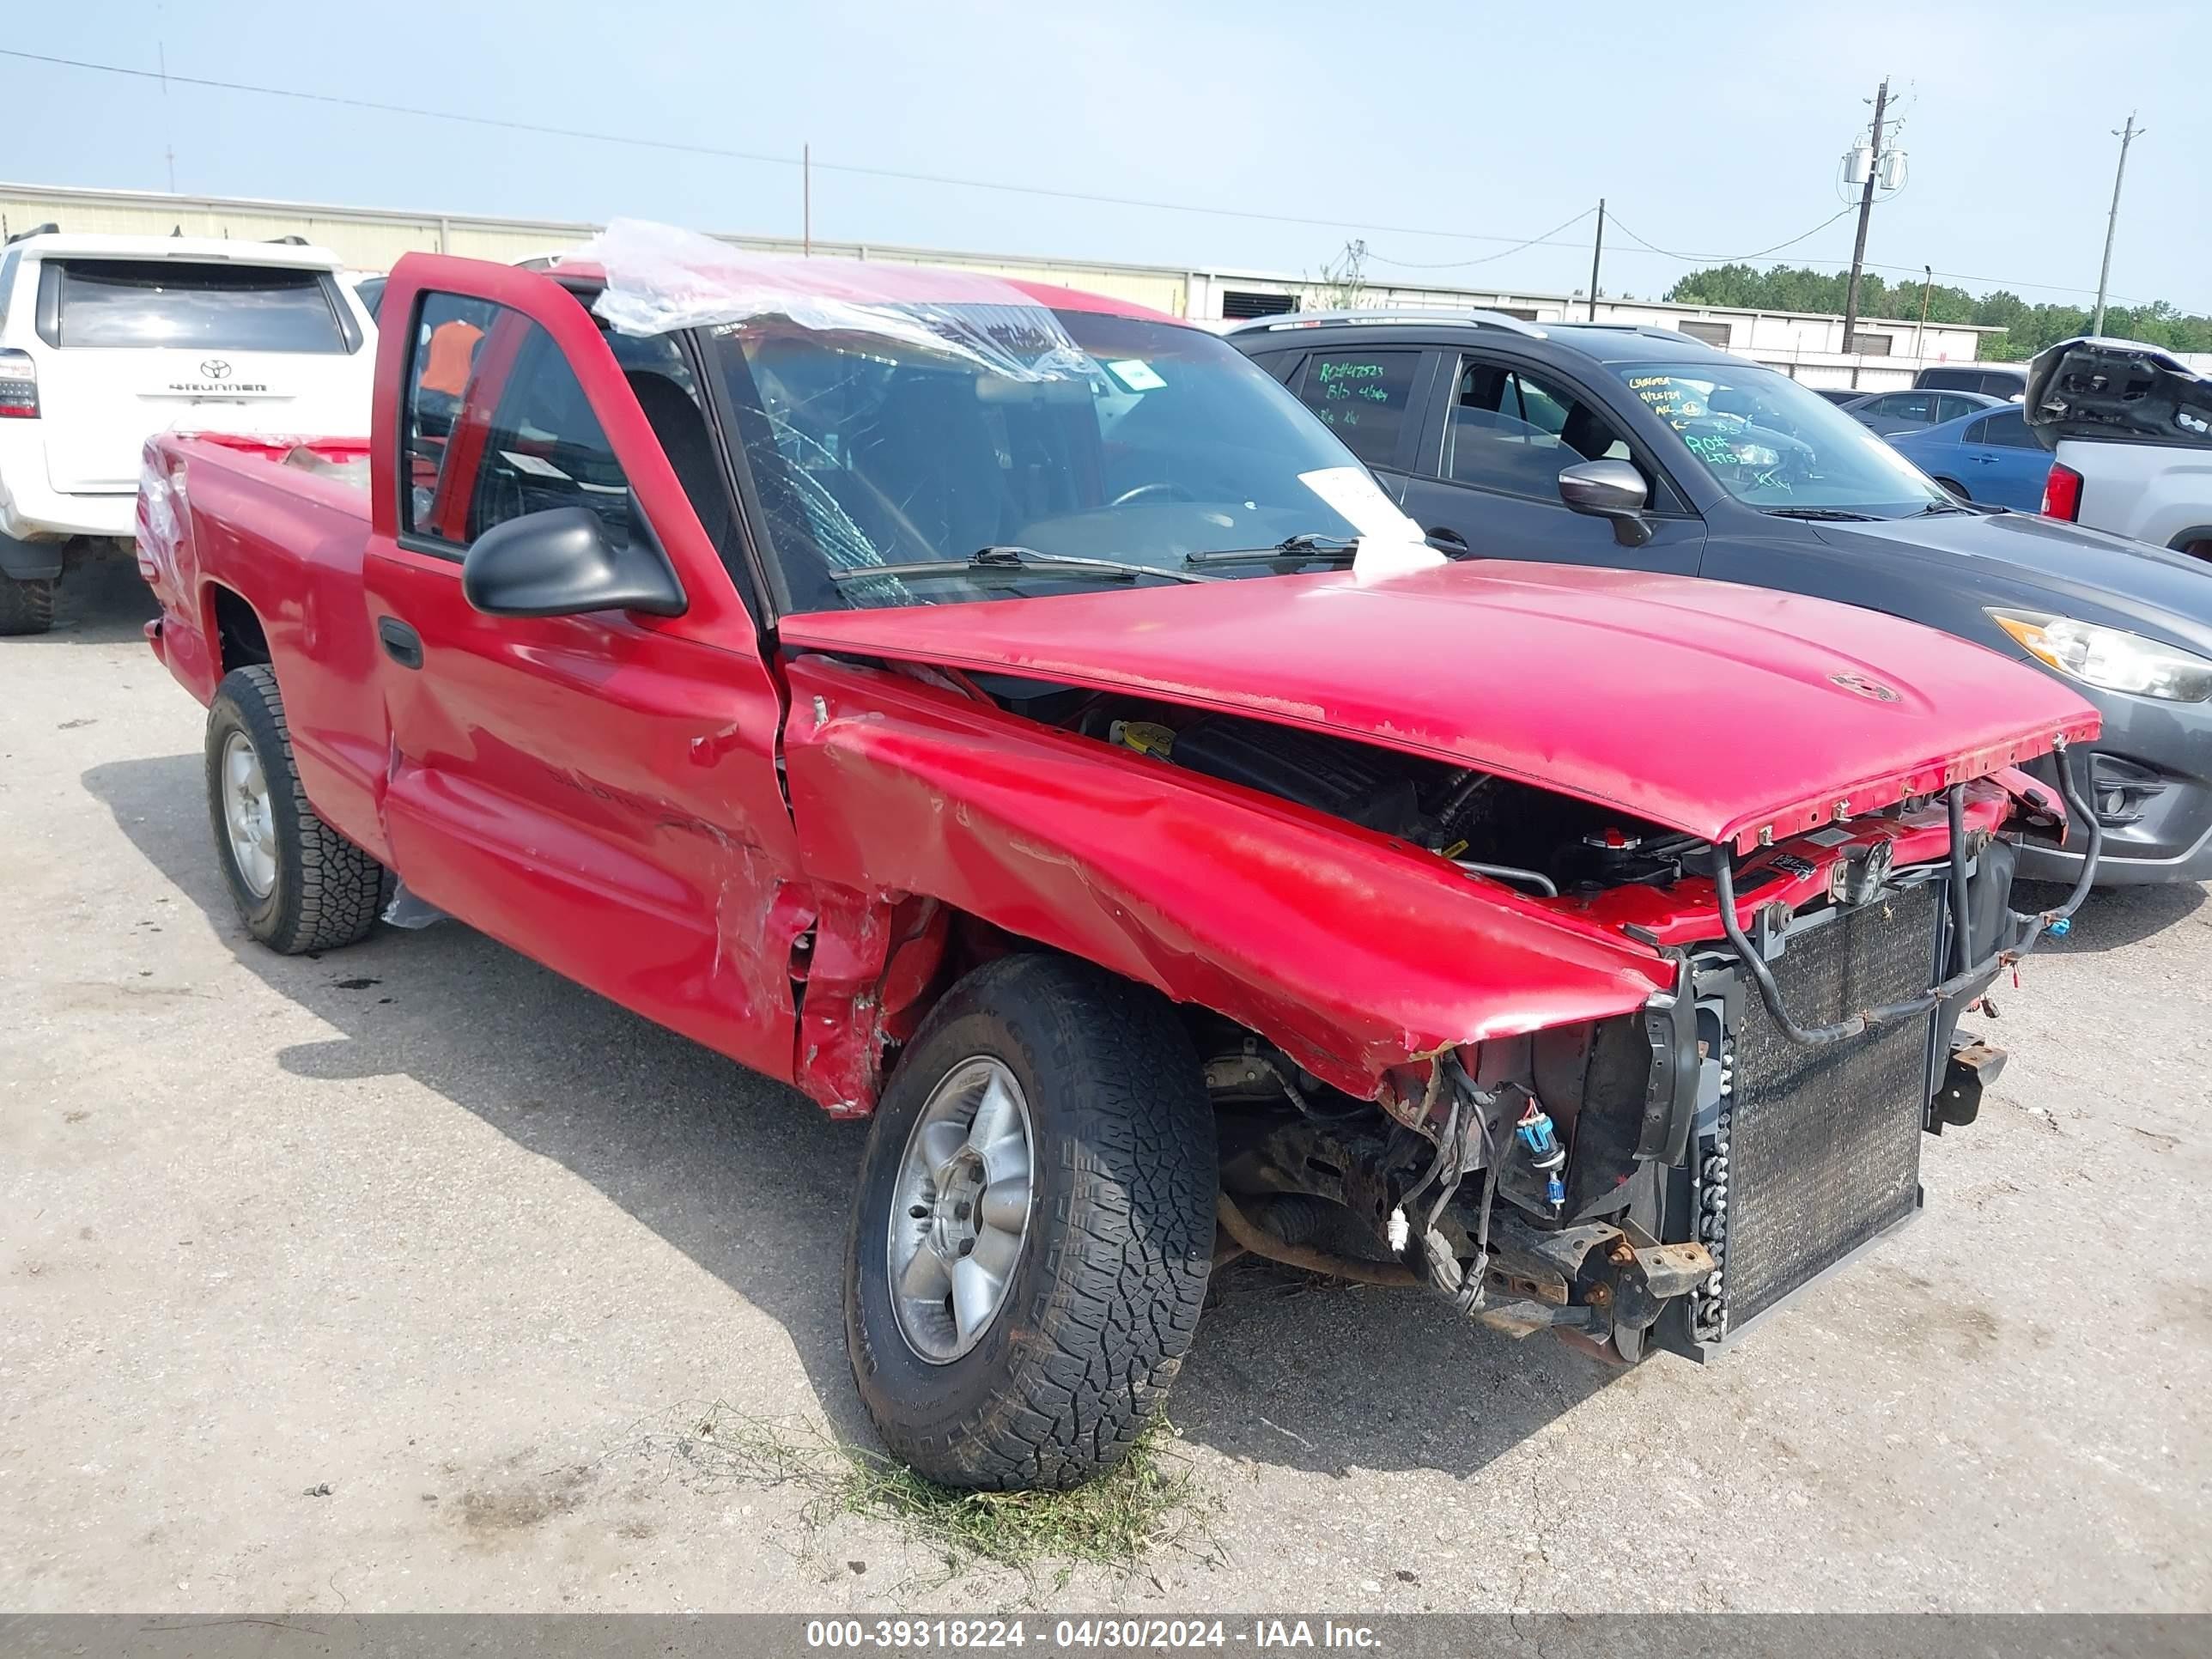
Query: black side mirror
x=1609, y=490
x=563, y=563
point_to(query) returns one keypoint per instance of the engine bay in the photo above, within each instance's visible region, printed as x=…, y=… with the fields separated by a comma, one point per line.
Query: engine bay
x=1533, y=839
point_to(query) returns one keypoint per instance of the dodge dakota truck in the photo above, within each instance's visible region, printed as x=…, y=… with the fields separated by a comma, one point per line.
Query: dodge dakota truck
x=1005, y=714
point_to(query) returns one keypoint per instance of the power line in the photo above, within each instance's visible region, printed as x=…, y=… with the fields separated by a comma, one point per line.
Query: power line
x=721, y=152
x=1483, y=259
x=1998, y=282
x=1871, y=265
x=1725, y=258
x=1213, y=211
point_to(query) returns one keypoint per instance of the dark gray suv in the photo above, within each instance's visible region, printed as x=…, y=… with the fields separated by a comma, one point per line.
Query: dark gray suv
x=1645, y=449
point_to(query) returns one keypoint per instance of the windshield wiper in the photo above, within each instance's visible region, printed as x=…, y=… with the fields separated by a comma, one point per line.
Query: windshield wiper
x=1018, y=562
x=1943, y=507
x=1827, y=515
x=1332, y=549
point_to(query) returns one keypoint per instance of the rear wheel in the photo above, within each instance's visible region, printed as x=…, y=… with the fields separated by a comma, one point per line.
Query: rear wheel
x=2201, y=548
x=1030, y=1240
x=1955, y=488
x=299, y=885
x=26, y=607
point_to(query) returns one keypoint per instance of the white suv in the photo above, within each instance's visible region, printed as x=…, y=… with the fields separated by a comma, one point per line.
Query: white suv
x=106, y=340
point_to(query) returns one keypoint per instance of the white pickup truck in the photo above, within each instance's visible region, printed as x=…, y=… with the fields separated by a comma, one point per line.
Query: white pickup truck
x=2130, y=429
x=106, y=340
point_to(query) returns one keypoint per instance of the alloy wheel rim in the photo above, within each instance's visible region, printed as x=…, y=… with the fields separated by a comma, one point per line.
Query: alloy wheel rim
x=960, y=1209
x=246, y=816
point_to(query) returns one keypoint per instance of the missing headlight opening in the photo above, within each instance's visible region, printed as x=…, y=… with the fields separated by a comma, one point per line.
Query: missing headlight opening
x=1659, y=1178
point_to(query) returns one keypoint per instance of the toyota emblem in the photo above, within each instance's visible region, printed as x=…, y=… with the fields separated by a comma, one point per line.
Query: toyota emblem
x=1861, y=686
x=215, y=369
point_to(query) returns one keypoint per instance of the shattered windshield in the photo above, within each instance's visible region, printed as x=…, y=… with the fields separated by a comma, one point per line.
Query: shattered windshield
x=1774, y=445
x=1159, y=442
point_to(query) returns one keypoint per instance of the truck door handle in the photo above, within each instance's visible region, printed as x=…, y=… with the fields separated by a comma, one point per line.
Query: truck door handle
x=401, y=643
x=1450, y=537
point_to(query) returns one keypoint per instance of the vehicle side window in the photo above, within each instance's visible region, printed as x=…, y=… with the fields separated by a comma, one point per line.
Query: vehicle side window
x=9, y=265
x=2007, y=428
x=1909, y=407
x=444, y=359
x=1361, y=395
x=545, y=448
x=1951, y=408
x=1978, y=433
x=1511, y=430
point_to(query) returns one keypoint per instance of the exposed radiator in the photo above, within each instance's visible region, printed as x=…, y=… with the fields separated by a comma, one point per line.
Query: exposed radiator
x=1818, y=1149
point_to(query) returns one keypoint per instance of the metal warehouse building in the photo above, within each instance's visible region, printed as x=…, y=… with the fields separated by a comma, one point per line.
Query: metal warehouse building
x=1808, y=345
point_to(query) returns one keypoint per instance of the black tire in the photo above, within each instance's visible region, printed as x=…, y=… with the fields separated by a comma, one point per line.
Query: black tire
x=1104, y=1298
x=1955, y=488
x=327, y=890
x=26, y=607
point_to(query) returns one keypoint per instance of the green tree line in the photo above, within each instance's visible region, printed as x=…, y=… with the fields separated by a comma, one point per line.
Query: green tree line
x=2028, y=328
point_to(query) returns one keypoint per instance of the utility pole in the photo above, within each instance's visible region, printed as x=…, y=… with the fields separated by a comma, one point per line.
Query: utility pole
x=2127, y=136
x=1920, y=334
x=806, y=201
x=1597, y=253
x=168, y=149
x=1866, y=211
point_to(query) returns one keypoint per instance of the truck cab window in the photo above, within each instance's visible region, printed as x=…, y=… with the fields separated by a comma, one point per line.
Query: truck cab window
x=449, y=332
x=545, y=448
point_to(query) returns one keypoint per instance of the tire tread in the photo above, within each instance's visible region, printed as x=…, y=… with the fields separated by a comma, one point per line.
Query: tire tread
x=1086, y=1380
x=26, y=607
x=331, y=893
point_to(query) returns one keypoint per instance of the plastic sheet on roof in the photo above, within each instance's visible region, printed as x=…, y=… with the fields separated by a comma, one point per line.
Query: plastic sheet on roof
x=660, y=277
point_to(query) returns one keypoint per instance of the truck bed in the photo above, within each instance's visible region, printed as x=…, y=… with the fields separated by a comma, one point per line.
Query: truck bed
x=282, y=524
x=2135, y=424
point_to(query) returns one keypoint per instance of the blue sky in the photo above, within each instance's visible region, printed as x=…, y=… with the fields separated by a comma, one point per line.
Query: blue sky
x=1713, y=130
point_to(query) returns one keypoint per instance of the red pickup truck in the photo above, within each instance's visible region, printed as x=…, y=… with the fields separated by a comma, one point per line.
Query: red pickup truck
x=989, y=709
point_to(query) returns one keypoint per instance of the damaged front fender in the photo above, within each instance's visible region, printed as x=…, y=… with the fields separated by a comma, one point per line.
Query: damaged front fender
x=1346, y=949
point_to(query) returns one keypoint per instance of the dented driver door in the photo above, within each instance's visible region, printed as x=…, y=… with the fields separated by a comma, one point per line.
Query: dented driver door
x=597, y=791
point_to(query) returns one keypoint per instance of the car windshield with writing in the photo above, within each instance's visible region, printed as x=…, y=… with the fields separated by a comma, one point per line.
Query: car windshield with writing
x=1774, y=445
x=1149, y=446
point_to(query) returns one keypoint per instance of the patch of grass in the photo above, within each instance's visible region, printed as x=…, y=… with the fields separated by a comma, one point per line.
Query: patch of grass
x=1152, y=1500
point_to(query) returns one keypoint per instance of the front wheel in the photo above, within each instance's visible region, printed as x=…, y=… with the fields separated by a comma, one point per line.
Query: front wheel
x=299, y=885
x=1031, y=1241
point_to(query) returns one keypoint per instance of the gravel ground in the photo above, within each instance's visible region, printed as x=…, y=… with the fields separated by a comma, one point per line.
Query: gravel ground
x=379, y=1281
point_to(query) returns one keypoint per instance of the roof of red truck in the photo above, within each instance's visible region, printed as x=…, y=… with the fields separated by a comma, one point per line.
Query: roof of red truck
x=918, y=282
x=1075, y=298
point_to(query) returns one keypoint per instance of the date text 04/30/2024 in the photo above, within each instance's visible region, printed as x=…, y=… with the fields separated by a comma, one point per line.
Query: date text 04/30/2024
x=916, y=1635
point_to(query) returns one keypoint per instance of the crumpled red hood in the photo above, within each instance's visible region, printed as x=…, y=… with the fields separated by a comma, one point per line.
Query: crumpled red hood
x=1705, y=707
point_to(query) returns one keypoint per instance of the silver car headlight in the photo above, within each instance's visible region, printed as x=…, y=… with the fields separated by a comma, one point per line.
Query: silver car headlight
x=2111, y=659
